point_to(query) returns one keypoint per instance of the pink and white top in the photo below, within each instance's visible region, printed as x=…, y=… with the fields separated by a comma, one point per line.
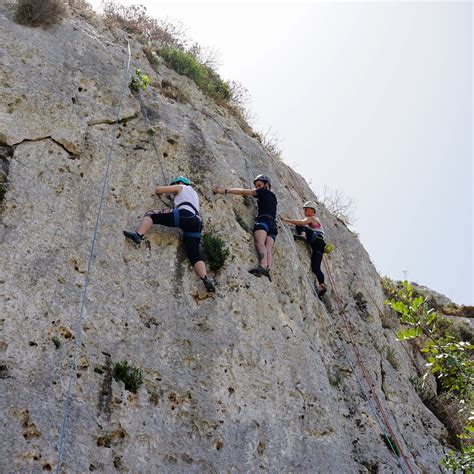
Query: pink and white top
x=316, y=226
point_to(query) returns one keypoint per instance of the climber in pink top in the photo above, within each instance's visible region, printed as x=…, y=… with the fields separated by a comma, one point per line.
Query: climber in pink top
x=310, y=230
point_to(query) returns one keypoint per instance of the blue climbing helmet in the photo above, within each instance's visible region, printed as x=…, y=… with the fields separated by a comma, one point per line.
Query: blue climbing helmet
x=263, y=179
x=180, y=179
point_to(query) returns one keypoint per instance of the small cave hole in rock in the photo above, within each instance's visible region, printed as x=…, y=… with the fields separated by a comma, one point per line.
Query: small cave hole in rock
x=3, y=371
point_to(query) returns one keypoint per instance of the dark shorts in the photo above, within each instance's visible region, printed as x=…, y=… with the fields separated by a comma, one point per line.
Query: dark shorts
x=189, y=223
x=268, y=224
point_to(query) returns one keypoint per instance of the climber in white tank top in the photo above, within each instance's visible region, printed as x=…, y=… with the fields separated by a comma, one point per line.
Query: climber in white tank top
x=185, y=215
x=187, y=199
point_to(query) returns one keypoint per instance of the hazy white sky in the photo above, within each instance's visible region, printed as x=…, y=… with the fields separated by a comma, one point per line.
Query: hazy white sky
x=372, y=98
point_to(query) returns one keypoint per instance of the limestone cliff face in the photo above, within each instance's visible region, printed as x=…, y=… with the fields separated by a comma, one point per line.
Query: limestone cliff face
x=251, y=379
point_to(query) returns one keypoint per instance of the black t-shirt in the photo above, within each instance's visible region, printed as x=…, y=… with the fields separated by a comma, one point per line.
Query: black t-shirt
x=266, y=202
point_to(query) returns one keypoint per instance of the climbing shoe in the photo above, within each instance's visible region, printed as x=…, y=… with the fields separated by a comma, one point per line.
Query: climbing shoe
x=322, y=290
x=299, y=237
x=135, y=237
x=266, y=272
x=209, y=284
x=258, y=271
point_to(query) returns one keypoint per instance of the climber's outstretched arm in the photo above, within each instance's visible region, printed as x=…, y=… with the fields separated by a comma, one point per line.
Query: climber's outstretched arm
x=237, y=191
x=173, y=189
x=298, y=222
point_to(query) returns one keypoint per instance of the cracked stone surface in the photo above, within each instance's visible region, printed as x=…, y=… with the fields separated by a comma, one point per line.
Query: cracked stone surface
x=255, y=378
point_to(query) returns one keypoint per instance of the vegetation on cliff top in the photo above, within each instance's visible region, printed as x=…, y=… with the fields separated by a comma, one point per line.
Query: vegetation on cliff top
x=39, y=12
x=449, y=357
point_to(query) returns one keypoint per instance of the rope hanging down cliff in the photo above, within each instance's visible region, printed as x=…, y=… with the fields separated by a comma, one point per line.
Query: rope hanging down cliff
x=151, y=132
x=378, y=411
x=342, y=348
x=415, y=364
x=366, y=376
x=78, y=336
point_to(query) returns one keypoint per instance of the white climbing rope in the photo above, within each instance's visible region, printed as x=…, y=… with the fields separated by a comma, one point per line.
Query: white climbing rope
x=147, y=121
x=78, y=335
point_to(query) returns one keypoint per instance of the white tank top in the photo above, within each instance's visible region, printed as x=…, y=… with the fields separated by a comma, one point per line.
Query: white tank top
x=187, y=195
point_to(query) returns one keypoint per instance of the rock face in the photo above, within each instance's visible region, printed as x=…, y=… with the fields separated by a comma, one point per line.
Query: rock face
x=255, y=378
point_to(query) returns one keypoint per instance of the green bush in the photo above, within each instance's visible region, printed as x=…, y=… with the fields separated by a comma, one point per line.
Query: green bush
x=186, y=64
x=215, y=251
x=139, y=81
x=131, y=376
x=449, y=359
x=462, y=461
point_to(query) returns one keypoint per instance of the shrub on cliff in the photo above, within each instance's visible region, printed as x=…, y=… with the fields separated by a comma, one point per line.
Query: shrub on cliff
x=450, y=360
x=215, y=251
x=131, y=376
x=135, y=20
x=187, y=64
x=39, y=12
x=139, y=81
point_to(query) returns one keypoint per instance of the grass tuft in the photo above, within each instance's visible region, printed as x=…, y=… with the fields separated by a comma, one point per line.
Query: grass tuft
x=131, y=376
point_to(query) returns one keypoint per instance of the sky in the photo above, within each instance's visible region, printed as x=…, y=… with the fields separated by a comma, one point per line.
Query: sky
x=370, y=98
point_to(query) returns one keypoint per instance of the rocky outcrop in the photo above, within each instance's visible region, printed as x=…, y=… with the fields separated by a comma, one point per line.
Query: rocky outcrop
x=255, y=378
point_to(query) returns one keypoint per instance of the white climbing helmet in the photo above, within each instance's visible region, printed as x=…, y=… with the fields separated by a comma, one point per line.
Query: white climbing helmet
x=310, y=205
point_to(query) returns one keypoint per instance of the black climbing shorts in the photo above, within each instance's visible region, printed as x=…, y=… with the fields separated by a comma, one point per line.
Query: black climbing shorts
x=268, y=224
x=189, y=223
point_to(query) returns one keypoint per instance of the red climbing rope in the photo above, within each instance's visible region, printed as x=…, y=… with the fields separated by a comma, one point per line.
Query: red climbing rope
x=414, y=362
x=364, y=369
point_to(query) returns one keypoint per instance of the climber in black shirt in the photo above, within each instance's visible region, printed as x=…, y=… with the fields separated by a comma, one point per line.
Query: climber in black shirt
x=265, y=229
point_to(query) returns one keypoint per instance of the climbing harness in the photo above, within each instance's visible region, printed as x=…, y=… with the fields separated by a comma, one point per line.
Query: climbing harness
x=78, y=337
x=191, y=205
